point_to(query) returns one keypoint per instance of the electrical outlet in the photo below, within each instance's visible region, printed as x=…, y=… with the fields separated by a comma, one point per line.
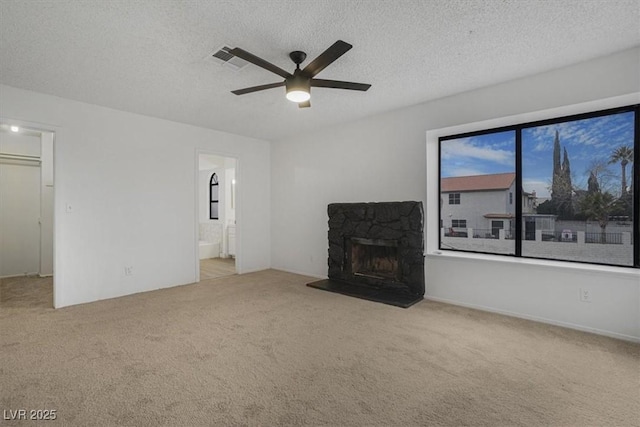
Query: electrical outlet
x=128, y=270
x=585, y=295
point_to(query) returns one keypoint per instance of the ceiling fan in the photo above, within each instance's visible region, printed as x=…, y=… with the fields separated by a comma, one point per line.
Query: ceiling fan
x=299, y=83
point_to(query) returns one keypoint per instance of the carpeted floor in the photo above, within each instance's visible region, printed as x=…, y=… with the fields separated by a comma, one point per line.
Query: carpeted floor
x=263, y=349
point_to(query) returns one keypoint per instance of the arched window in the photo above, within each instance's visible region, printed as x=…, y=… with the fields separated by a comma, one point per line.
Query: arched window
x=213, y=197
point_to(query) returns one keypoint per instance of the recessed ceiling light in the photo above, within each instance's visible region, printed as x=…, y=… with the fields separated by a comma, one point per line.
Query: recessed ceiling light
x=15, y=129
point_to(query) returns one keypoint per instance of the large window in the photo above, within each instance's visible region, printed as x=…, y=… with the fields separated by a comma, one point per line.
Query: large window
x=479, y=169
x=573, y=181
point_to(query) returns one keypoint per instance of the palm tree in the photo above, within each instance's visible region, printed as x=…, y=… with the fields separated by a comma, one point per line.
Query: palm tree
x=624, y=155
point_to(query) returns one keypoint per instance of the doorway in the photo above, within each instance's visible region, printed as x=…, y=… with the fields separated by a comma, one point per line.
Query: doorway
x=529, y=228
x=216, y=216
x=26, y=215
x=496, y=226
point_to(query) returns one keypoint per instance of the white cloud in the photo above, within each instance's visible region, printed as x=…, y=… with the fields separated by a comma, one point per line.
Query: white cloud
x=464, y=147
x=462, y=171
x=542, y=146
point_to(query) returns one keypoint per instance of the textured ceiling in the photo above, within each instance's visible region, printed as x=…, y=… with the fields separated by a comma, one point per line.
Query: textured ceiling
x=147, y=56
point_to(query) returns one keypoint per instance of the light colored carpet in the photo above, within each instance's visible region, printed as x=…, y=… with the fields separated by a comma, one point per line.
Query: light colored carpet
x=263, y=349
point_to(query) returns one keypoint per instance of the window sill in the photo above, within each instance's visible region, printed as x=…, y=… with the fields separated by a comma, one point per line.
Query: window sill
x=555, y=265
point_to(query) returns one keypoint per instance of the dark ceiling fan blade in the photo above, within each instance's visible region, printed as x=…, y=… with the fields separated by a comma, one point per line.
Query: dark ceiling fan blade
x=337, y=84
x=241, y=53
x=305, y=104
x=334, y=52
x=257, y=88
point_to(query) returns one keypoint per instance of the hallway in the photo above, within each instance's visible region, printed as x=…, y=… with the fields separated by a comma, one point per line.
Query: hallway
x=212, y=268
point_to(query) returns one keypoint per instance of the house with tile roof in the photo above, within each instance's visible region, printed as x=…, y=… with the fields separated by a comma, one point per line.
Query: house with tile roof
x=482, y=203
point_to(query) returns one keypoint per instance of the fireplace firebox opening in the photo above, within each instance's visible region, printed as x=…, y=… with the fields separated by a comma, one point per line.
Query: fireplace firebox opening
x=373, y=258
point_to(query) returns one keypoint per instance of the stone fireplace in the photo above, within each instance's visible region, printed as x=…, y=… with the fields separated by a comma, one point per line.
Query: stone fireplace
x=376, y=252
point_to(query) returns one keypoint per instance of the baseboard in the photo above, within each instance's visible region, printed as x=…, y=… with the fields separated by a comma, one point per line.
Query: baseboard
x=252, y=270
x=45, y=275
x=301, y=273
x=35, y=273
x=538, y=319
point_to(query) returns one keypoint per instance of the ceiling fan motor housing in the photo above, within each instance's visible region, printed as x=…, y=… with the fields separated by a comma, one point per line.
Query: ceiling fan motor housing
x=297, y=83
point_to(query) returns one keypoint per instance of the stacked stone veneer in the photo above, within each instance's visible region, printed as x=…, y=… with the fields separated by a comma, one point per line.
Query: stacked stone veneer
x=400, y=221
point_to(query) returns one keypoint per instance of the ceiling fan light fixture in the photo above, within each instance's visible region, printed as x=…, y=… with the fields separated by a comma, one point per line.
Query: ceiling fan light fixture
x=298, y=89
x=298, y=96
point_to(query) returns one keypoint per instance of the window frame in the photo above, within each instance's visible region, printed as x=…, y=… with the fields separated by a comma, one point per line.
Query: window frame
x=518, y=128
x=213, y=182
x=455, y=198
x=461, y=223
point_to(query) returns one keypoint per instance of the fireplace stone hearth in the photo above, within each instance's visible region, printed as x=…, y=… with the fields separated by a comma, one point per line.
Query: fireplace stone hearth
x=376, y=252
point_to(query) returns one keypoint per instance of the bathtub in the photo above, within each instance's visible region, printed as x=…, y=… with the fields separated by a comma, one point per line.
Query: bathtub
x=209, y=249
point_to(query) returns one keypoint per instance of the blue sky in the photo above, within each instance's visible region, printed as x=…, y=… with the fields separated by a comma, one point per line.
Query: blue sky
x=479, y=155
x=587, y=141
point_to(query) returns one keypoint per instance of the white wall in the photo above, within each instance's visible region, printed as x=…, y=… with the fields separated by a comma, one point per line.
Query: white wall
x=131, y=183
x=383, y=158
x=46, y=204
x=229, y=192
x=474, y=205
x=203, y=191
x=228, y=206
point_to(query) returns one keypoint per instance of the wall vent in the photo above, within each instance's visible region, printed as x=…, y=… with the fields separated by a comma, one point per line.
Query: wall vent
x=224, y=57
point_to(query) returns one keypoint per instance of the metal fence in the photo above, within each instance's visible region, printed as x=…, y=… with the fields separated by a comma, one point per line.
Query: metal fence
x=604, y=238
x=481, y=233
x=552, y=236
x=547, y=236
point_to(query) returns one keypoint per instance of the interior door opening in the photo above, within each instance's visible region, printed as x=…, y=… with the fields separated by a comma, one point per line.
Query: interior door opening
x=216, y=206
x=26, y=216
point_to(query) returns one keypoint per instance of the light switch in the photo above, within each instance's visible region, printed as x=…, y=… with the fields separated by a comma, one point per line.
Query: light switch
x=69, y=208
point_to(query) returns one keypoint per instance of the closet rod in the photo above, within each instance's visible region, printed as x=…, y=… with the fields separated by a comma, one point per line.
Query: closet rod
x=23, y=157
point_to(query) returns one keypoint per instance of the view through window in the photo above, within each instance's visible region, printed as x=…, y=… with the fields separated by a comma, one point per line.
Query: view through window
x=477, y=174
x=560, y=189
